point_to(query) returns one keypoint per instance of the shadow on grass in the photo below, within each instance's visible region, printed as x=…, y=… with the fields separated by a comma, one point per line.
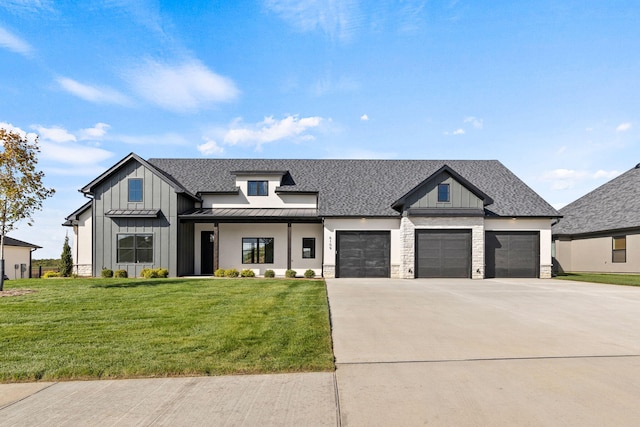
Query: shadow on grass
x=136, y=283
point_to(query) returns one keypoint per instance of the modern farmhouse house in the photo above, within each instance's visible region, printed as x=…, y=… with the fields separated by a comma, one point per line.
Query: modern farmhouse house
x=600, y=232
x=341, y=218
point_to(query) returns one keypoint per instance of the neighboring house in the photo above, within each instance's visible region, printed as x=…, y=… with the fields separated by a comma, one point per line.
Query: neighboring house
x=17, y=258
x=341, y=218
x=600, y=232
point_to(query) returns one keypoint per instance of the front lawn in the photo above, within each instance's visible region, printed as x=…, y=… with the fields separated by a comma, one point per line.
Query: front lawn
x=612, y=279
x=123, y=328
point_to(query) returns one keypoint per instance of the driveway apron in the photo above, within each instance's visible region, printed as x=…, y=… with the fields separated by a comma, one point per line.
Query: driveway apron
x=493, y=352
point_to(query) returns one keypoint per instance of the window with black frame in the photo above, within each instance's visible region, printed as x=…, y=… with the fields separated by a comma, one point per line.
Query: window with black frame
x=257, y=250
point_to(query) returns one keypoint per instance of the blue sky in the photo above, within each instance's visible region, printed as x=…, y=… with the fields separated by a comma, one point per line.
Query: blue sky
x=549, y=88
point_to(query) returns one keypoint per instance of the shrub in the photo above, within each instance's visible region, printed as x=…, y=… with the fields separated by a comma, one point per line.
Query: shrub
x=154, y=273
x=120, y=274
x=247, y=273
x=269, y=274
x=232, y=272
x=309, y=274
x=219, y=272
x=106, y=273
x=50, y=273
x=290, y=273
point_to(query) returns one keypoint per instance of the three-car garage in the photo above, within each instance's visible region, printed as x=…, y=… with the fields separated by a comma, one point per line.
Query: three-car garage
x=440, y=253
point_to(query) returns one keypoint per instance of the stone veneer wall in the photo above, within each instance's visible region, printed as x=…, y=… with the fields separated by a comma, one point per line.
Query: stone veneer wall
x=545, y=271
x=328, y=271
x=83, y=270
x=408, y=226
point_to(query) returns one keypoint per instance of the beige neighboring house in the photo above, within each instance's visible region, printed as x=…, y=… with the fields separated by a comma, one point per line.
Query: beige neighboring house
x=600, y=232
x=80, y=220
x=17, y=258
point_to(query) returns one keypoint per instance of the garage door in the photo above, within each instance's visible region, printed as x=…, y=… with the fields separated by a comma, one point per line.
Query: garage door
x=443, y=253
x=512, y=253
x=363, y=253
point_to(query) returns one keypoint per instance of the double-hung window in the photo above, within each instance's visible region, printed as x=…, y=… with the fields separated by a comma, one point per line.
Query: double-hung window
x=257, y=250
x=258, y=188
x=619, y=249
x=135, y=248
x=135, y=189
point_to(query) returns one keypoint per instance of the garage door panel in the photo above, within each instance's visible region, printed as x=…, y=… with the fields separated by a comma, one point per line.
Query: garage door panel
x=363, y=254
x=443, y=253
x=512, y=254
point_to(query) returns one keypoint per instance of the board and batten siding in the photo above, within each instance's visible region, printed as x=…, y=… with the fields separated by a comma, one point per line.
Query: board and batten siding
x=112, y=193
x=460, y=196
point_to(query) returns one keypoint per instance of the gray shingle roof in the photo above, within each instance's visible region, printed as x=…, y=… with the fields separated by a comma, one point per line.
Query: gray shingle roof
x=9, y=241
x=362, y=187
x=612, y=206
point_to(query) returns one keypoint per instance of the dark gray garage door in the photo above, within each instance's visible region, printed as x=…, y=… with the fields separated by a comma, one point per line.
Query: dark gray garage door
x=363, y=254
x=512, y=253
x=443, y=253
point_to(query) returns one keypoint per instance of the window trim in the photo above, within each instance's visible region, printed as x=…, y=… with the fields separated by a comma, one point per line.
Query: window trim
x=312, y=248
x=615, y=251
x=258, y=186
x=129, y=182
x=448, y=187
x=256, y=259
x=120, y=236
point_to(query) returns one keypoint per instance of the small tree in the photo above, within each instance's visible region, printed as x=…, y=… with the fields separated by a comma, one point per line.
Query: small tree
x=21, y=189
x=66, y=261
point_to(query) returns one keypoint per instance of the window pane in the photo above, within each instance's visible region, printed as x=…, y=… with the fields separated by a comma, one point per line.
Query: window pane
x=257, y=188
x=620, y=256
x=620, y=243
x=144, y=241
x=248, y=250
x=308, y=247
x=135, y=189
x=126, y=241
x=443, y=192
x=126, y=255
x=145, y=255
x=266, y=247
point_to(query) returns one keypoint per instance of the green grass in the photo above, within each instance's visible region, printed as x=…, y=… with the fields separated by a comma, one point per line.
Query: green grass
x=125, y=328
x=612, y=279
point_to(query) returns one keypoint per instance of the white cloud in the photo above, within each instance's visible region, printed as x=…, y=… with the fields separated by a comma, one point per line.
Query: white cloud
x=11, y=128
x=458, y=132
x=337, y=19
x=270, y=130
x=14, y=43
x=55, y=134
x=210, y=147
x=623, y=127
x=477, y=123
x=563, y=179
x=96, y=132
x=364, y=117
x=28, y=6
x=182, y=88
x=100, y=95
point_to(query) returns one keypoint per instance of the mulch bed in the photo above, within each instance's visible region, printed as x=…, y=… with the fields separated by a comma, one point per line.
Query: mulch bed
x=15, y=292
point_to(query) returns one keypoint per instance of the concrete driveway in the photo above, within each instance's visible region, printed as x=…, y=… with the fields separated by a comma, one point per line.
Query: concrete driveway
x=486, y=353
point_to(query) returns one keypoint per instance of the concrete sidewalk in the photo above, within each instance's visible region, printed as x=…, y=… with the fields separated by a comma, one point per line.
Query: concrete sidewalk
x=252, y=400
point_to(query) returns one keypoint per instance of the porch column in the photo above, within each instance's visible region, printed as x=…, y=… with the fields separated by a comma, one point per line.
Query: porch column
x=216, y=248
x=289, y=246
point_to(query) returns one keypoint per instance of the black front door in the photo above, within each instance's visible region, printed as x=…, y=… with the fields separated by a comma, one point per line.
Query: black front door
x=206, y=252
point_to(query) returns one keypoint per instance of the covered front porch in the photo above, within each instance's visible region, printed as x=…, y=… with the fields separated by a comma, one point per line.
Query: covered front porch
x=255, y=239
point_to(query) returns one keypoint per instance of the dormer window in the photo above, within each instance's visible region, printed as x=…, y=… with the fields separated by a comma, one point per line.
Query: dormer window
x=257, y=188
x=443, y=193
x=135, y=190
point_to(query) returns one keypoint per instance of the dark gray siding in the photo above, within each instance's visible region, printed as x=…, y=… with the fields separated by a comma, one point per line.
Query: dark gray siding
x=185, y=242
x=112, y=193
x=460, y=196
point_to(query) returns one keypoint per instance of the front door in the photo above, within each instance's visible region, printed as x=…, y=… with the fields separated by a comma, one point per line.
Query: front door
x=206, y=252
